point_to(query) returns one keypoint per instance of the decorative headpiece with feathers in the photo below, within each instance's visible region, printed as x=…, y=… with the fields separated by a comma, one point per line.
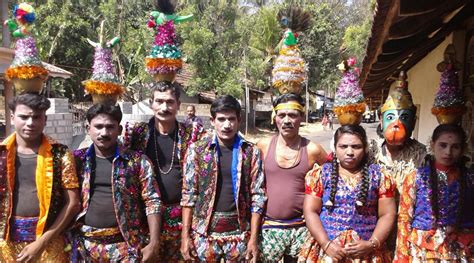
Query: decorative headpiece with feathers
x=165, y=7
x=295, y=19
x=289, y=68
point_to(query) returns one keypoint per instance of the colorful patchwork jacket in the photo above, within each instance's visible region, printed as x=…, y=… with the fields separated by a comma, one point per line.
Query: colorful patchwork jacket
x=55, y=172
x=134, y=188
x=136, y=137
x=200, y=181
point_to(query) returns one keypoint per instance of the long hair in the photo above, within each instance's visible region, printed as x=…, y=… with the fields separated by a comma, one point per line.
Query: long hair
x=429, y=161
x=358, y=131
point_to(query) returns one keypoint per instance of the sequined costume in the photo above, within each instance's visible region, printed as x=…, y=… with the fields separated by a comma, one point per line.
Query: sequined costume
x=55, y=173
x=137, y=137
x=447, y=235
x=199, y=192
x=135, y=196
x=410, y=157
x=345, y=222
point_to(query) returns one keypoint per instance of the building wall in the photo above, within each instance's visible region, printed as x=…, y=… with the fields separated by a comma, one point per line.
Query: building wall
x=423, y=82
x=60, y=122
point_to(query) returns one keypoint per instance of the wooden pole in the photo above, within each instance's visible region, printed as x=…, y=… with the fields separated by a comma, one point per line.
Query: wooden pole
x=307, y=94
x=8, y=89
x=5, y=32
x=247, y=99
x=8, y=93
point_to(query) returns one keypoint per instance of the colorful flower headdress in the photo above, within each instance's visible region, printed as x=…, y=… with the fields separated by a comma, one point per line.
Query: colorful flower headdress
x=164, y=60
x=289, y=67
x=104, y=85
x=349, y=104
x=26, y=71
x=449, y=104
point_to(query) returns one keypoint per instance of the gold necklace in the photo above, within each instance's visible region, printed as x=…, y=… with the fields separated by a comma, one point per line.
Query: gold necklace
x=295, y=158
x=175, y=142
x=294, y=155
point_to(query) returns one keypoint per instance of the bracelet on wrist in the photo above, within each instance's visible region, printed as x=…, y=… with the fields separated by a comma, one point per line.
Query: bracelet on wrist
x=372, y=243
x=327, y=246
x=378, y=241
x=375, y=245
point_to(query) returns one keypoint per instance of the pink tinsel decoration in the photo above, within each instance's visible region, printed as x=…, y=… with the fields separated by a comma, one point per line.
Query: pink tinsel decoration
x=165, y=34
x=349, y=91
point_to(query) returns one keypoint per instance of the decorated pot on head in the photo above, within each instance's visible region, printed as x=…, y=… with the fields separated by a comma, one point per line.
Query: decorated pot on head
x=289, y=71
x=104, y=85
x=164, y=60
x=349, y=104
x=398, y=113
x=26, y=72
x=449, y=103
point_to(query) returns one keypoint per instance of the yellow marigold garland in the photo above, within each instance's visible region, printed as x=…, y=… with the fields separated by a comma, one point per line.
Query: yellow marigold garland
x=289, y=50
x=107, y=88
x=288, y=69
x=26, y=72
x=296, y=62
x=352, y=108
x=280, y=83
x=152, y=63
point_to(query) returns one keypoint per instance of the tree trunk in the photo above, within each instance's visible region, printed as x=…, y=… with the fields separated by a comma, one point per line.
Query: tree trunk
x=5, y=33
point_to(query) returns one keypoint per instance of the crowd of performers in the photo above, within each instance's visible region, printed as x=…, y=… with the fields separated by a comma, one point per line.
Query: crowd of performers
x=166, y=192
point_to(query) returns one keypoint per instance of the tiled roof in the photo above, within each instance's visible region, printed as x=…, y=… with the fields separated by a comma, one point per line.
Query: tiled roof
x=403, y=33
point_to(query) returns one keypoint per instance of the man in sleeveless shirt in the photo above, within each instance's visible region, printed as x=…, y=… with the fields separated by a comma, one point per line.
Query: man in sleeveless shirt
x=120, y=198
x=39, y=188
x=223, y=191
x=287, y=158
x=165, y=141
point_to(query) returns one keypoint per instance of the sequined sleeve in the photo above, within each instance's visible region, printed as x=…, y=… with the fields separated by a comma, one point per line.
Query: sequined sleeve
x=68, y=168
x=135, y=136
x=149, y=187
x=405, y=217
x=258, y=183
x=386, y=186
x=313, y=182
x=189, y=191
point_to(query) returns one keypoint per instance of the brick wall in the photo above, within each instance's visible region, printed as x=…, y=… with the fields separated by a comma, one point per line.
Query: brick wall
x=60, y=122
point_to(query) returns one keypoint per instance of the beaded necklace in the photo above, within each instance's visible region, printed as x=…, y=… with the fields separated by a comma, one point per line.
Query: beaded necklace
x=175, y=142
